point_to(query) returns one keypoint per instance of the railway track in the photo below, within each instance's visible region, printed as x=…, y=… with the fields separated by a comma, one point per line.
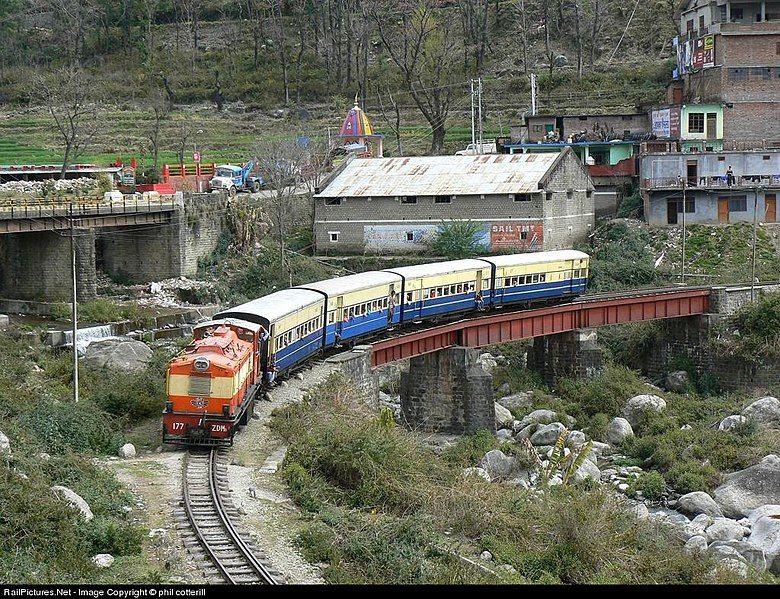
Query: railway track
x=209, y=523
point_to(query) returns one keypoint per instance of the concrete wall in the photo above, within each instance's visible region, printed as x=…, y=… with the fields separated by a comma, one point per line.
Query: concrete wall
x=618, y=124
x=710, y=164
x=356, y=366
x=705, y=205
x=37, y=265
x=382, y=224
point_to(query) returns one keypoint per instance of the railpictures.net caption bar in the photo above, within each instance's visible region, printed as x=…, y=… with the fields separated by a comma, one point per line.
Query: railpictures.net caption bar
x=105, y=592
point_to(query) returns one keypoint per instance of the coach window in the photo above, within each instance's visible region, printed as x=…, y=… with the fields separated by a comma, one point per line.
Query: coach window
x=472, y=285
x=333, y=201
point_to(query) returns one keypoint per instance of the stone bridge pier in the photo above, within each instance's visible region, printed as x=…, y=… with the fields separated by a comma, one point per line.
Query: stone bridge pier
x=37, y=265
x=574, y=354
x=448, y=391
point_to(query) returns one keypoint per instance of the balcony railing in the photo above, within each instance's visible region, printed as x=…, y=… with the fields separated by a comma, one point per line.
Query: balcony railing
x=716, y=182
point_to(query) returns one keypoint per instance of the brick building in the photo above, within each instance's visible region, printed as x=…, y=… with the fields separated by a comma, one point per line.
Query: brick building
x=729, y=53
x=523, y=202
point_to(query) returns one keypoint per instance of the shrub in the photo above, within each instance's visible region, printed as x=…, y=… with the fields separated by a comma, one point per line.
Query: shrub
x=104, y=535
x=651, y=484
x=604, y=394
x=687, y=477
x=458, y=239
x=60, y=311
x=469, y=449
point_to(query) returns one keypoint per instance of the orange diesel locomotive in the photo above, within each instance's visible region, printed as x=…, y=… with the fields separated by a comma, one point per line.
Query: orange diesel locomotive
x=212, y=384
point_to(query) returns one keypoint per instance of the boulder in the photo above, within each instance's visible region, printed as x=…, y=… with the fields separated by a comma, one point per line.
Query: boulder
x=677, y=381
x=547, y=434
x=103, y=560
x=696, y=544
x=748, y=489
x=526, y=432
x=764, y=510
x=618, y=430
x=764, y=411
x=479, y=472
x=5, y=443
x=766, y=536
x=751, y=553
x=729, y=423
x=118, y=354
x=698, y=525
x=636, y=407
x=486, y=555
x=599, y=448
x=576, y=439
x=518, y=402
x=74, y=499
x=504, y=434
x=587, y=470
x=503, y=389
x=737, y=566
x=724, y=529
x=504, y=417
x=698, y=502
x=538, y=417
x=497, y=464
x=127, y=451
x=487, y=362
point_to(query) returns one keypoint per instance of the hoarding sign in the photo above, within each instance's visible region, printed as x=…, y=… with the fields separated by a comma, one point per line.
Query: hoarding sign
x=660, y=123
x=516, y=236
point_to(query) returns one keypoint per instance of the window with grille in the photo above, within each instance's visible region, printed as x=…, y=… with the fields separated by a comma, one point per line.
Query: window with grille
x=333, y=201
x=443, y=200
x=696, y=122
x=737, y=74
x=738, y=204
x=199, y=386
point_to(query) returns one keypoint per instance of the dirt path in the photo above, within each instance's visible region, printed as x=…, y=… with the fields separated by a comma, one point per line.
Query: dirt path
x=258, y=491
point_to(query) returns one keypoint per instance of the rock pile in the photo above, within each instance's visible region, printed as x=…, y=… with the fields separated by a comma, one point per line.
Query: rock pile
x=79, y=186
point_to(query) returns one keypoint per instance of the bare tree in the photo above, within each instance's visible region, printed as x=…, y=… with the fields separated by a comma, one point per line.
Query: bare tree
x=150, y=9
x=277, y=20
x=521, y=16
x=184, y=132
x=421, y=47
x=395, y=122
x=66, y=93
x=158, y=102
x=281, y=163
x=72, y=23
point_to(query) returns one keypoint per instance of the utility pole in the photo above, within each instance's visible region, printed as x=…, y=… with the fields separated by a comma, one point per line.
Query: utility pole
x=755, y=239
x=479, y=98
x=473, y=134
x=75, y=308
x=533, y=94
x=685, y=201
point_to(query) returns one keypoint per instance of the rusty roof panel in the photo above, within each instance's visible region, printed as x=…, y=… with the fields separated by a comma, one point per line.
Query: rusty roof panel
x=441, y=175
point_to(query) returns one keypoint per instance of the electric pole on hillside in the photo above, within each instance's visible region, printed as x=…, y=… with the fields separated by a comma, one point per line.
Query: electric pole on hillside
x=75, y=308
x=476, y=115
x=684, y=206
x=533, y=94
x=755, y=240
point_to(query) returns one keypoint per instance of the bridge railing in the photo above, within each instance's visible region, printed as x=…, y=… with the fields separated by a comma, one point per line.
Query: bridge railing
x=86, y=206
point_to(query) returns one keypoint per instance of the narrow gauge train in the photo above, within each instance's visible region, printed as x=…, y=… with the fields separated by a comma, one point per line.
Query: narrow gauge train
x=213, y=382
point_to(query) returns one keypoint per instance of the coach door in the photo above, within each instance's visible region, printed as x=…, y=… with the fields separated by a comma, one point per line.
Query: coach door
x=341, y=317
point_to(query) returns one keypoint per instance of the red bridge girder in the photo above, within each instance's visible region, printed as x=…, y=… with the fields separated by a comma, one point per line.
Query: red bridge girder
x=503, y=327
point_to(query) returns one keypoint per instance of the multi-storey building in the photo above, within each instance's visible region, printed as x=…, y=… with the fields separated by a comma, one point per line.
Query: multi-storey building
x=728, y=54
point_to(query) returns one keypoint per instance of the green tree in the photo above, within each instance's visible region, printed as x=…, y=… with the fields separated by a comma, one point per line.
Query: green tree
x=458, y=239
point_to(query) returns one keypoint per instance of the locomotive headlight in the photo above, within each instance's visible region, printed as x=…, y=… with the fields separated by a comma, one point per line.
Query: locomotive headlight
x=201, y=364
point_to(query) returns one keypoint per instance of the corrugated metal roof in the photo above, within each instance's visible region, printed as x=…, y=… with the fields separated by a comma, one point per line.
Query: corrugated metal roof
x=535, y=257
x=273, y=306
x=355, y=282
x=438, y=268
x=441, y=175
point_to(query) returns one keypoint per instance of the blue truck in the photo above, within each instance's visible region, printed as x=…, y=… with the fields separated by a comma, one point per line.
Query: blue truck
x=233, y=178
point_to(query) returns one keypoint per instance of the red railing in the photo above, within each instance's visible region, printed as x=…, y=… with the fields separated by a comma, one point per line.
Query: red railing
x=505, y=327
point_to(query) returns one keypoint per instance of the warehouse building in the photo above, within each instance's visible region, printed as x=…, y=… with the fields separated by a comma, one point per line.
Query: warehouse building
x=521, y=202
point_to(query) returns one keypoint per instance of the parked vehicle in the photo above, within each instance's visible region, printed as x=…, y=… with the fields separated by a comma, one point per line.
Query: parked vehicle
x=488, y=147
x=234, y=178
x=213, y=382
